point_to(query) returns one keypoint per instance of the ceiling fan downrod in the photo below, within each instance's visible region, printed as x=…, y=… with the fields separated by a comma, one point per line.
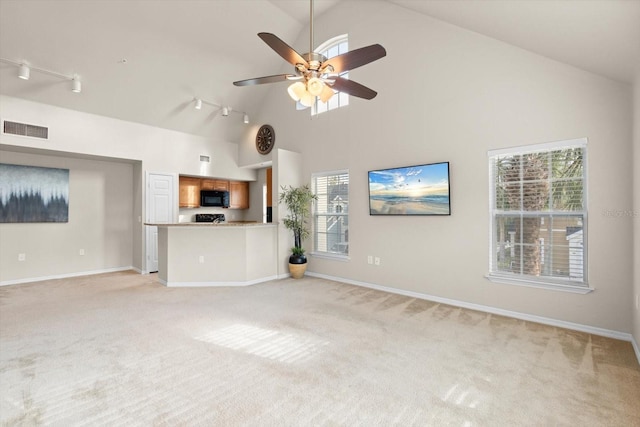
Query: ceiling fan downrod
x=311, y=27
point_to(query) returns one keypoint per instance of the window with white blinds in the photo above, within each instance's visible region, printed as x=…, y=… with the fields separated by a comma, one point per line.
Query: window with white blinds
x=331, y=213
x=538, y=214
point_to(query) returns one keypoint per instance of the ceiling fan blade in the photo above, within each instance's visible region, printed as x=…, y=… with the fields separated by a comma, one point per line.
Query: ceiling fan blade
x=267, y=79
x=353, y=88
x=355, y=58
x=283, y=49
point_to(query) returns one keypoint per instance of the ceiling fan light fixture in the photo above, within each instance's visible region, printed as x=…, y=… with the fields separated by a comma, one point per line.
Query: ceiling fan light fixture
x=297, y=91
x=315, y=86
x=307, y=100
x=327, y=93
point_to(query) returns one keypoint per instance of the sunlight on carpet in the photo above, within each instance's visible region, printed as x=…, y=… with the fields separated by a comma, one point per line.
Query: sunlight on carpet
x=270, y=344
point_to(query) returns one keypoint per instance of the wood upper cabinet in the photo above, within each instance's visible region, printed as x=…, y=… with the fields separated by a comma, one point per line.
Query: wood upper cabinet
x=214, y=184
x=238, y=195
x=189, y=192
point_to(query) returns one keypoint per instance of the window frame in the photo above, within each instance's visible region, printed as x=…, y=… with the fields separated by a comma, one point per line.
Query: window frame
x=342, y=97
x=322, y=254
x=543, y=281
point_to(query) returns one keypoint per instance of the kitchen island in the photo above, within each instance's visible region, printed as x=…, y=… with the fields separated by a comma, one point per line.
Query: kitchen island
x=209, y=254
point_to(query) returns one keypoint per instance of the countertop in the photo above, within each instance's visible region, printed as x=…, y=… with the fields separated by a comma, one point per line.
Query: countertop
x=213, y=224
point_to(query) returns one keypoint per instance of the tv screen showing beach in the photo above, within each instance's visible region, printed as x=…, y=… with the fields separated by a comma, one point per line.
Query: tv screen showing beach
x=410, y=190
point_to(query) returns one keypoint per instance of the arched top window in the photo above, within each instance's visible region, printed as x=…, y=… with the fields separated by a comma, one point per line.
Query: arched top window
x=333, y=47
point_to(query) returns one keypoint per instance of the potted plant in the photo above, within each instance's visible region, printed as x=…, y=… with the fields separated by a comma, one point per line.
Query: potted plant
x=298, y=202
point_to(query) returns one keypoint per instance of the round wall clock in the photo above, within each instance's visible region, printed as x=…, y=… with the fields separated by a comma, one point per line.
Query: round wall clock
x=265, y=139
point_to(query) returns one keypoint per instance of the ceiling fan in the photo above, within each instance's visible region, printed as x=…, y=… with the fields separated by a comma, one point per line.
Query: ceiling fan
x=315, y=75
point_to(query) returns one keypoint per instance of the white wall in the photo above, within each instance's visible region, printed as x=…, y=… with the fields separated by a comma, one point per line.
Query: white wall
x=100, y=223
x=287, y=171
x=447, y=94
x=160, y=150
x=636, y=211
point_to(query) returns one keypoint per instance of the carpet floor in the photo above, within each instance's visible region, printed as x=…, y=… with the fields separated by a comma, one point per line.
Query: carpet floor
x=121, y=349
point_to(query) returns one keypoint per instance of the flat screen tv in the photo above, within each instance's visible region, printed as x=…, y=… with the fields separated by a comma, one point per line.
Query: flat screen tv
x=410, y=190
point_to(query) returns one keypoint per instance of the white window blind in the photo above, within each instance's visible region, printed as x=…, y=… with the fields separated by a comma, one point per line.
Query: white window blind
x=331, y=213
x=538, y=214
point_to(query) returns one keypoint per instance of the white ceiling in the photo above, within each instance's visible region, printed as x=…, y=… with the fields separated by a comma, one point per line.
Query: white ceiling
x=178, y=49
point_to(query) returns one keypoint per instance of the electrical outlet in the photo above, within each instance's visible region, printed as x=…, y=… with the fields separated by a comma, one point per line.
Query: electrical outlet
x=369, y=259
x=377, y=261
x=201, y=259
x=81, y=252
x=22, y=257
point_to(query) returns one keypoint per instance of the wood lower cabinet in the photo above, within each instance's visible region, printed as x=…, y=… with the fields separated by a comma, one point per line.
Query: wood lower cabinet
x=189, y=192
x=238, y=195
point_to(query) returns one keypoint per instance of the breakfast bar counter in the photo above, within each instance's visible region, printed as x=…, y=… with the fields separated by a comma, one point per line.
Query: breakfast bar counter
x=209, y=254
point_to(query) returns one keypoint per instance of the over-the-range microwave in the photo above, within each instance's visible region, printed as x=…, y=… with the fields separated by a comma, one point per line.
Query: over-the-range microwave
x=214, y=198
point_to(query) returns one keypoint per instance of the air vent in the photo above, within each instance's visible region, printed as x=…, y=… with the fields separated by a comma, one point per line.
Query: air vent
x=22, y=129
x=206, y=159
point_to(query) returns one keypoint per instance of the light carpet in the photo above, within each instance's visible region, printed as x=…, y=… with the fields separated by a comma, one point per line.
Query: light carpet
x=121, y=349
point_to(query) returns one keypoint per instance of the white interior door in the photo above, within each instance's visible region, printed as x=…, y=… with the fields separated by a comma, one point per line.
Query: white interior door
x=161, y=208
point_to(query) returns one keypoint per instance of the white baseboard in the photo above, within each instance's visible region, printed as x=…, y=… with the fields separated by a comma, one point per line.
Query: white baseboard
x=636, y=348
x=487, y=309
x=67, y=275
x=215, y=284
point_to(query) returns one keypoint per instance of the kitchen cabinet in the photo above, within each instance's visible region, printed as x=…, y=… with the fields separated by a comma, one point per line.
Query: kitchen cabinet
x=238, y=195
x=207, y=184
x=214, y=184
x=189, y=192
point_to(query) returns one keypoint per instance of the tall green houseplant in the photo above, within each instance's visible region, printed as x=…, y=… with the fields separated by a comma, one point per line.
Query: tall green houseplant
x=298, y=202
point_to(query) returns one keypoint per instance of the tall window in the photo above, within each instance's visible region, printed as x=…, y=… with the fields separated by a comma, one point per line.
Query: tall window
x=538, y=214
x=333, y=47
x=331, y=213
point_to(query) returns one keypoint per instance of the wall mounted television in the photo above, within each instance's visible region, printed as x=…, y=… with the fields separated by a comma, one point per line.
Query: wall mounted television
x=410, y=190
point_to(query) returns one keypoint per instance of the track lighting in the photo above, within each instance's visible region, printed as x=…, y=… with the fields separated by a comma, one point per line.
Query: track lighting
x=76, y=85
x=24, y=73
x=224, y=109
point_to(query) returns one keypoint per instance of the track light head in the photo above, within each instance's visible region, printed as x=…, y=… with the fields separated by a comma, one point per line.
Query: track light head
x=246, y=118
x=76, y=85
x=198, y=104
x=225, y=111
x=23, y=72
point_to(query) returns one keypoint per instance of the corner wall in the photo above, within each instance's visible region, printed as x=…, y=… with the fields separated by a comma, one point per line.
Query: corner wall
x=100, y=223
x=448, y=94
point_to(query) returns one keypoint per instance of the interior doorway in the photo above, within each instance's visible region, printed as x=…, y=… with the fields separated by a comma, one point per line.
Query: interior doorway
x=161, y=207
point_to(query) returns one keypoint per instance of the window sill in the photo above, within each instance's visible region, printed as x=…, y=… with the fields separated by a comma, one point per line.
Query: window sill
x=540, y=285
x=335, y=257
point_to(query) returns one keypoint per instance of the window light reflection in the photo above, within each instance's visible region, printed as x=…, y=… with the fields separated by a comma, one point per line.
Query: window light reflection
x=267, y=343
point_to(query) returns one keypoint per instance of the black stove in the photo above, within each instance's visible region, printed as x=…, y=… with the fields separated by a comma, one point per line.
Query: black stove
x=216, y=218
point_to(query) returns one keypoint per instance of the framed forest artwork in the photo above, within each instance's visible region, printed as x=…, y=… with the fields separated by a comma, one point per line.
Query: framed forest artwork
x=33, y=194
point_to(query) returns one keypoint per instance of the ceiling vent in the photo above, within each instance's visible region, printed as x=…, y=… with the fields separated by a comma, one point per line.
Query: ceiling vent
x=22, y=129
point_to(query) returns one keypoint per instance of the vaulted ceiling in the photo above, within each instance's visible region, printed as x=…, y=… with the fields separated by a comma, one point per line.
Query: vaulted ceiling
x=145, y=60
